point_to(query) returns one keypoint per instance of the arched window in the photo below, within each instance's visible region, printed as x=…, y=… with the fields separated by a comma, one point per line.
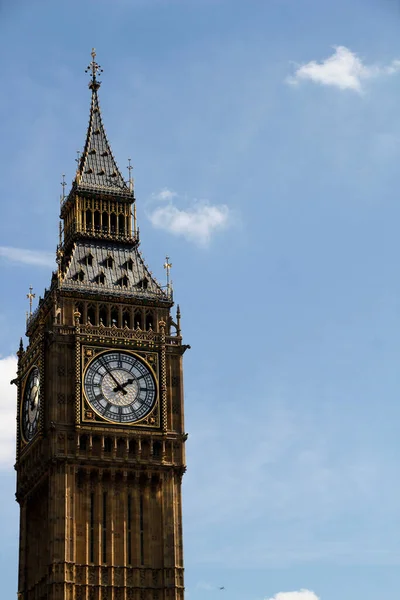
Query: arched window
x=89, y=220
x=114, y=316
x=103, y=316
x=91, y=315
x=149, y=321
x=97, y=220
x=121, y=224
x=113, y=222
x=105, y=222
x=126, y=318
x=79, y=309
x=138, y=320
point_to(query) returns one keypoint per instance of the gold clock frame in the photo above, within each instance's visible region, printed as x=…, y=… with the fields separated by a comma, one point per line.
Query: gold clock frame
x=89, y=415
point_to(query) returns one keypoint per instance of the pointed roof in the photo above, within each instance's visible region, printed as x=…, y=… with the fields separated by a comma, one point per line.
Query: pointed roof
x=98, y=170
x=126, y=273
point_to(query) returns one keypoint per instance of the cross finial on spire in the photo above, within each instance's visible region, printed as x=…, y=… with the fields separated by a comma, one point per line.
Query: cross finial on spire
x=63, y=184
x=30, y=297
x=167, y=267
x=129, y=167
x=94, y=69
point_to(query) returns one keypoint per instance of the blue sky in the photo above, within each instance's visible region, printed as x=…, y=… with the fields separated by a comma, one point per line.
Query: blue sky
x=265, y=139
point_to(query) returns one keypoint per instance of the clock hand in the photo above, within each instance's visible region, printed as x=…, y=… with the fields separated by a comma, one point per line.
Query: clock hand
x=34, y=401
x=119, y=387
x=123, y=385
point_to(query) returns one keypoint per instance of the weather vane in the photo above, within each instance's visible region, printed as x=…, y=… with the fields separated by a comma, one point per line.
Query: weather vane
x=167, y=267
x=30, y=297
x=94, y=69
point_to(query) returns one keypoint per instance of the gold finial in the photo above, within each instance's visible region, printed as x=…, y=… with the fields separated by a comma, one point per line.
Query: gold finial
x=94, y=69
x=167, y=267
x=129, y=167
x=63, y=184
x=30, y=297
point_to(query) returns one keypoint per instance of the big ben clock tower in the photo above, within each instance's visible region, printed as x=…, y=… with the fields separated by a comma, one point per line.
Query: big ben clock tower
x=100, y=431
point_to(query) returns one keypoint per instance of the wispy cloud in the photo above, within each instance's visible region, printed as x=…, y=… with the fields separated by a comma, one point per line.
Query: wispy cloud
x=300, y=595
x=344, y=70
x=196, y=222
x=164, y=194
x=27, y=257
x=8, y=407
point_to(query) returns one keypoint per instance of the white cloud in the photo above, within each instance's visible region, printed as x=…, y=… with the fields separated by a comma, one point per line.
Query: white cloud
x=28, y=257
x=344, y=70
x=8, y=407
x=196, y=223
x=300, y=595
x=164, y=194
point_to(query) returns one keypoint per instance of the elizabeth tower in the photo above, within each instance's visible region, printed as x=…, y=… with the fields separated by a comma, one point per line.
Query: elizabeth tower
x=100, y=431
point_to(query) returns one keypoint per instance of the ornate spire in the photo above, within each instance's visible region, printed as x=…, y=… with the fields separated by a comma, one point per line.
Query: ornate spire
x=94, y=68
x=97, y=168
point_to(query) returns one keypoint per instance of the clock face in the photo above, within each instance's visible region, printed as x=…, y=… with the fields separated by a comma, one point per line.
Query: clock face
x=119, y=387
x=31, y=404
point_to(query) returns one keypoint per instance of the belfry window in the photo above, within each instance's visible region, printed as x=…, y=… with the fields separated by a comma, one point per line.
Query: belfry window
x=91, y=315
x=113, y=222
x=100, y=278
x=129, y=264
x=121, y=224
x=126, y=318
x=149, y=321
x=124, y=281
x=138, y=324
x=97, y=220
x=114, y=316
x=89, y=219
x=103, y=316
x=80, y=276
x=109, y=261
x=105, y=222
x=89, y=259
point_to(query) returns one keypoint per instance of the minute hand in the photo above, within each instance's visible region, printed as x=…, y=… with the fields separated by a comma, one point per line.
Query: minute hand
x=119, y=386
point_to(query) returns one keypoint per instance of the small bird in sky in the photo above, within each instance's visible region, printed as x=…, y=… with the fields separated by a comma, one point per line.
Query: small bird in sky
x=222, y=588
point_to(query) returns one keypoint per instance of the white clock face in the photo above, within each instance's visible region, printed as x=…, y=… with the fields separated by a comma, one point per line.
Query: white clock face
x=120, y=387
x=31, y=404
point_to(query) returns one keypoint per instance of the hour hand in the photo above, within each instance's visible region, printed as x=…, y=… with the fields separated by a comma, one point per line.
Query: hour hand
x=123, y=385
x=33, y=402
